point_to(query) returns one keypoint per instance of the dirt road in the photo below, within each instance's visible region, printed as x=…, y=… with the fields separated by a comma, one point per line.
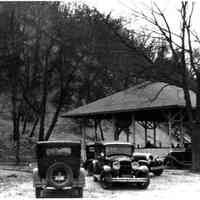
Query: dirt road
x=172, y=184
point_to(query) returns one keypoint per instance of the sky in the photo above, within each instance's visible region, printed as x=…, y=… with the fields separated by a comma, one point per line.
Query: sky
x=123, y=8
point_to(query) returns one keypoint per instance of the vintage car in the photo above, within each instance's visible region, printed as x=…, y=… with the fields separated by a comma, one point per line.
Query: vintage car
x=58, y=167
x=179, y=157
x=113, y=163
x=154, y=164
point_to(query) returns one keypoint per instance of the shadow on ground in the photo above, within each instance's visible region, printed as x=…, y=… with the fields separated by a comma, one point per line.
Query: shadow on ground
x=59, y=194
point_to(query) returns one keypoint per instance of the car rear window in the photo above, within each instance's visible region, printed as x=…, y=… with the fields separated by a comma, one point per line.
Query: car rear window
x=62, y=151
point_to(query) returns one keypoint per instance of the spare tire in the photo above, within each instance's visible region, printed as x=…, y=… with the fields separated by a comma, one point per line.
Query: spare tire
x=59, y=175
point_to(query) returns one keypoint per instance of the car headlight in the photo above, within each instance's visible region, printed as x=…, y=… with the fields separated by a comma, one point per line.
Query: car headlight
x=106, y=168
x=135, y=165
x=116, y=165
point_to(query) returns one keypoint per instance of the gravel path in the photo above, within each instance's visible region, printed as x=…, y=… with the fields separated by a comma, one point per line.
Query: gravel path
x=172, y=184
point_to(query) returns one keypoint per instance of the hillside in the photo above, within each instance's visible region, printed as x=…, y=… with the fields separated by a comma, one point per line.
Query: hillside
x=65, y=129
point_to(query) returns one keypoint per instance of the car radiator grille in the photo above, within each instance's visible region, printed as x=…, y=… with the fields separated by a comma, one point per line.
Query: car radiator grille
x=125, y=167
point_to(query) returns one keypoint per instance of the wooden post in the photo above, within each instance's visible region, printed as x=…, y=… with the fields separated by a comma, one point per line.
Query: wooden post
x=95, y=129
x=154, y=134
x=114, y=126
x=83, y=132
x=127, y=135
x=170, y=129
x=133, y=130
x=145, y=127
x=182, y=133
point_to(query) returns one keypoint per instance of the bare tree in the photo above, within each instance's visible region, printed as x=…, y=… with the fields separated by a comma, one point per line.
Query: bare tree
x=184, y=58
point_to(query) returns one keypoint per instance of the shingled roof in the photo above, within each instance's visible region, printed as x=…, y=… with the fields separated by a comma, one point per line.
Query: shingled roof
x=145, y=96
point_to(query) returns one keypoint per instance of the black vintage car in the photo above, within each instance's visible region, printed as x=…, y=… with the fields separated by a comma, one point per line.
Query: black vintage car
x=114, y=163
x=179, y=157
x=58, y=167
x=155, y=165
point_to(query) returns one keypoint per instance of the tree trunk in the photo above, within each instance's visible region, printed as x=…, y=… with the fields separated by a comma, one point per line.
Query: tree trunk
x=43, y=104
x=34, y=127
x=196, y=147
x=54, y=120
x=24, y=125
x=196, y=132
x=17, y=151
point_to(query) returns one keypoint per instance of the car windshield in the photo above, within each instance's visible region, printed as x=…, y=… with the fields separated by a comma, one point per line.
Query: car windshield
x=139, y=157
x=118, y=149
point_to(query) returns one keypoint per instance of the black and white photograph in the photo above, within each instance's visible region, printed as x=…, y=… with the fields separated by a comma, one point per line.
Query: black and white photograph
x=100, y=99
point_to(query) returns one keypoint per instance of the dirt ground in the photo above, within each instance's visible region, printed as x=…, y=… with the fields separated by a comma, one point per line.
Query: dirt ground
x=172, y=184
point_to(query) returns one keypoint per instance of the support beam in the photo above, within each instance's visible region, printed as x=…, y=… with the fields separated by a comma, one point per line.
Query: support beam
x=101, y=130
x=133, y=130
x=95, y=130
x=181, y=133
x=170, y=129
x=83, y=142
x=114, y=126
x=145, y=128
x=154, y=134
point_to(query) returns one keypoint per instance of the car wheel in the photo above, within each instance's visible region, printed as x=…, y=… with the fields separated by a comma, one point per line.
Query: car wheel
x=38, y=191
x=59, y=175
x=104, y=183
x=158, y=172
x=90, y=169
x=95, y=179
x=143, y=185
x=78, y=192
x=169, y=162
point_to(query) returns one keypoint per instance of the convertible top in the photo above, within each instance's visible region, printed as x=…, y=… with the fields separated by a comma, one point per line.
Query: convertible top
x=59, y=143
x=115, y=143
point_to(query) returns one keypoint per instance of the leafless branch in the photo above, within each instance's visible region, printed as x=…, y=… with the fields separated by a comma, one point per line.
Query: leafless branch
x=158, y=93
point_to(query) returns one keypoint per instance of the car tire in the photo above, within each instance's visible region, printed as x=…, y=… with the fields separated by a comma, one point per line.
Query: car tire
x=95, y=179
x=144, y=185
x=67, y=170
x=104, y=183
x=77, y=192
x=158, y=172
x=90, y=169
x=38, y=191
x=80, y=192
x=171, y=163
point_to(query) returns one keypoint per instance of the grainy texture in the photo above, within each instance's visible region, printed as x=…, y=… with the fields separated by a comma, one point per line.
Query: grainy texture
x=172, y=184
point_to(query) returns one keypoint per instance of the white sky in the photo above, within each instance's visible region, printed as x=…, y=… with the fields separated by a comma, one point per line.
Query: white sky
x=122, y=8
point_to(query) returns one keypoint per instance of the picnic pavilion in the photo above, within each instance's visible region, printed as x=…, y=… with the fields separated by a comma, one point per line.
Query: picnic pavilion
x=147, y=104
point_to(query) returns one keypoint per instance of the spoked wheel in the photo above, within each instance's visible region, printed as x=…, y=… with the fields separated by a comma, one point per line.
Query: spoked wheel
x=105, y=184
x=59, y=175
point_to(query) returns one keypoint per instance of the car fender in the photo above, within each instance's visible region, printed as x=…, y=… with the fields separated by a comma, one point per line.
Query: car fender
x=143, y=168
x=107, y=176
x=82, y=176
x=36, y=178
x=143, y=162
